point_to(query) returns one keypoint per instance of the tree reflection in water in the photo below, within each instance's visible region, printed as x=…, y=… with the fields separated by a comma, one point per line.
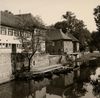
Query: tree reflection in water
x=75, y=91
x=62, y=86
x=96, y=86
x=96, y=91
x=29, y=89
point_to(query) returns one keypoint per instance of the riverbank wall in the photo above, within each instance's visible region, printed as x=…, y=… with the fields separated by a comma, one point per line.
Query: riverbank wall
x=5, y=67
x=9, y=63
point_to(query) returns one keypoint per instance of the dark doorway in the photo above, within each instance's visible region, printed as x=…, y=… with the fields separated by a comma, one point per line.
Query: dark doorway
x=74, y=47
x=13, y=48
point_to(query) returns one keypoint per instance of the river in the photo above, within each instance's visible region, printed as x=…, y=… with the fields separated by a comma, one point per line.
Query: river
x=62, y=86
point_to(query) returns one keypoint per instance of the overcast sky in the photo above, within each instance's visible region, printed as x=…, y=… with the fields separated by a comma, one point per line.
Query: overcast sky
x=51, y=11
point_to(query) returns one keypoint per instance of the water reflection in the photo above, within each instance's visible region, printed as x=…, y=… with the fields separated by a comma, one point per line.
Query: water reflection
x=37, y=89
x=62, y=86
x=95, y=83
x=19, y=89
x=96, y=74
x=82, y=87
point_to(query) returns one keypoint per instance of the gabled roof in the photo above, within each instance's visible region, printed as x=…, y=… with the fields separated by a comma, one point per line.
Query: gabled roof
x=8, y=19
x=56, y=34
x=30, y=20
x=17, y=21
x=72, y=37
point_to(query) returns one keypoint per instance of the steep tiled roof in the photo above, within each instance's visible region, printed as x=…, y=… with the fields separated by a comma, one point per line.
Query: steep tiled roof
x=30, y=20
x=8, y=19
x=72, y=37
x=56, y=34
x=11, y=20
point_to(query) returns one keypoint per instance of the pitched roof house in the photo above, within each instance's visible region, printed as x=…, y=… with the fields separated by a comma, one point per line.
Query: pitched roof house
x=8, y=19
x=56, y=34
x=58, y=42
x=10, y=27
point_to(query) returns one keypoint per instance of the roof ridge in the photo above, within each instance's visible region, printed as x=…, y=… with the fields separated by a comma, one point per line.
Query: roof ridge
x=72, y=37
x=23, y=14
x=64, y=35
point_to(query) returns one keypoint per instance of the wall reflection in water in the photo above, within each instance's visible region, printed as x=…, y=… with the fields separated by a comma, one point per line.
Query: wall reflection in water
x=62, y=86
x=37, y=89
x=22, y=89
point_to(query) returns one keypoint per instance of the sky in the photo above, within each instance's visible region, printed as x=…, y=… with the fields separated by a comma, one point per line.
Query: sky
x=51, y=11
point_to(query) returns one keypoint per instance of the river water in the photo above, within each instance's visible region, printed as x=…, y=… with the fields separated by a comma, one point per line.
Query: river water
x=62, y=86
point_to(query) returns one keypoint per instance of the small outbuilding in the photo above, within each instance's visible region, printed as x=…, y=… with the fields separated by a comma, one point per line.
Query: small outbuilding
x=58, y=42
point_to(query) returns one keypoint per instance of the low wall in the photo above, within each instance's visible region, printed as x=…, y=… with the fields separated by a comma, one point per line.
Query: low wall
x=40, y=60
x=5, y=67
x=45, y=60
x=54, y=59
x=9, y=63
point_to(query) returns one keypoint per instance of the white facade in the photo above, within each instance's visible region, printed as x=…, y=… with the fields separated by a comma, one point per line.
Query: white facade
x=68, y=47
x=8, y=37
x=11, y=36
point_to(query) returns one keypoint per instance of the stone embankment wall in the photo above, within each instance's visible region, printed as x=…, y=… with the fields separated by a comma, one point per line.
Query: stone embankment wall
x=5, y=67
x=40, y=60
x=46, y=60
x=9, y=63
x=54, y=59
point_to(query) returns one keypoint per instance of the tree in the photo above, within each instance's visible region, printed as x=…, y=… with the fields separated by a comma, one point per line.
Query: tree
x=97, y=17
x=76, y=27
x=95, y=43
x=31, y=42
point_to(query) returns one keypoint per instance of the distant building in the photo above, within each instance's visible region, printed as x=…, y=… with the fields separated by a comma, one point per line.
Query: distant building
x=75, y=42
x=58, y=42
x=10, y=30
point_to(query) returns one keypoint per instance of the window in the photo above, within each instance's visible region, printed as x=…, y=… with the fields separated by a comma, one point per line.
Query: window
x=19, y=46
x=74, y=47
x=0, y=45
x=9, y=45
x=53, y=43
x=3, y=45
x=6, y=45
x=15, y=32
x=3, y=31
x=10, y=32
